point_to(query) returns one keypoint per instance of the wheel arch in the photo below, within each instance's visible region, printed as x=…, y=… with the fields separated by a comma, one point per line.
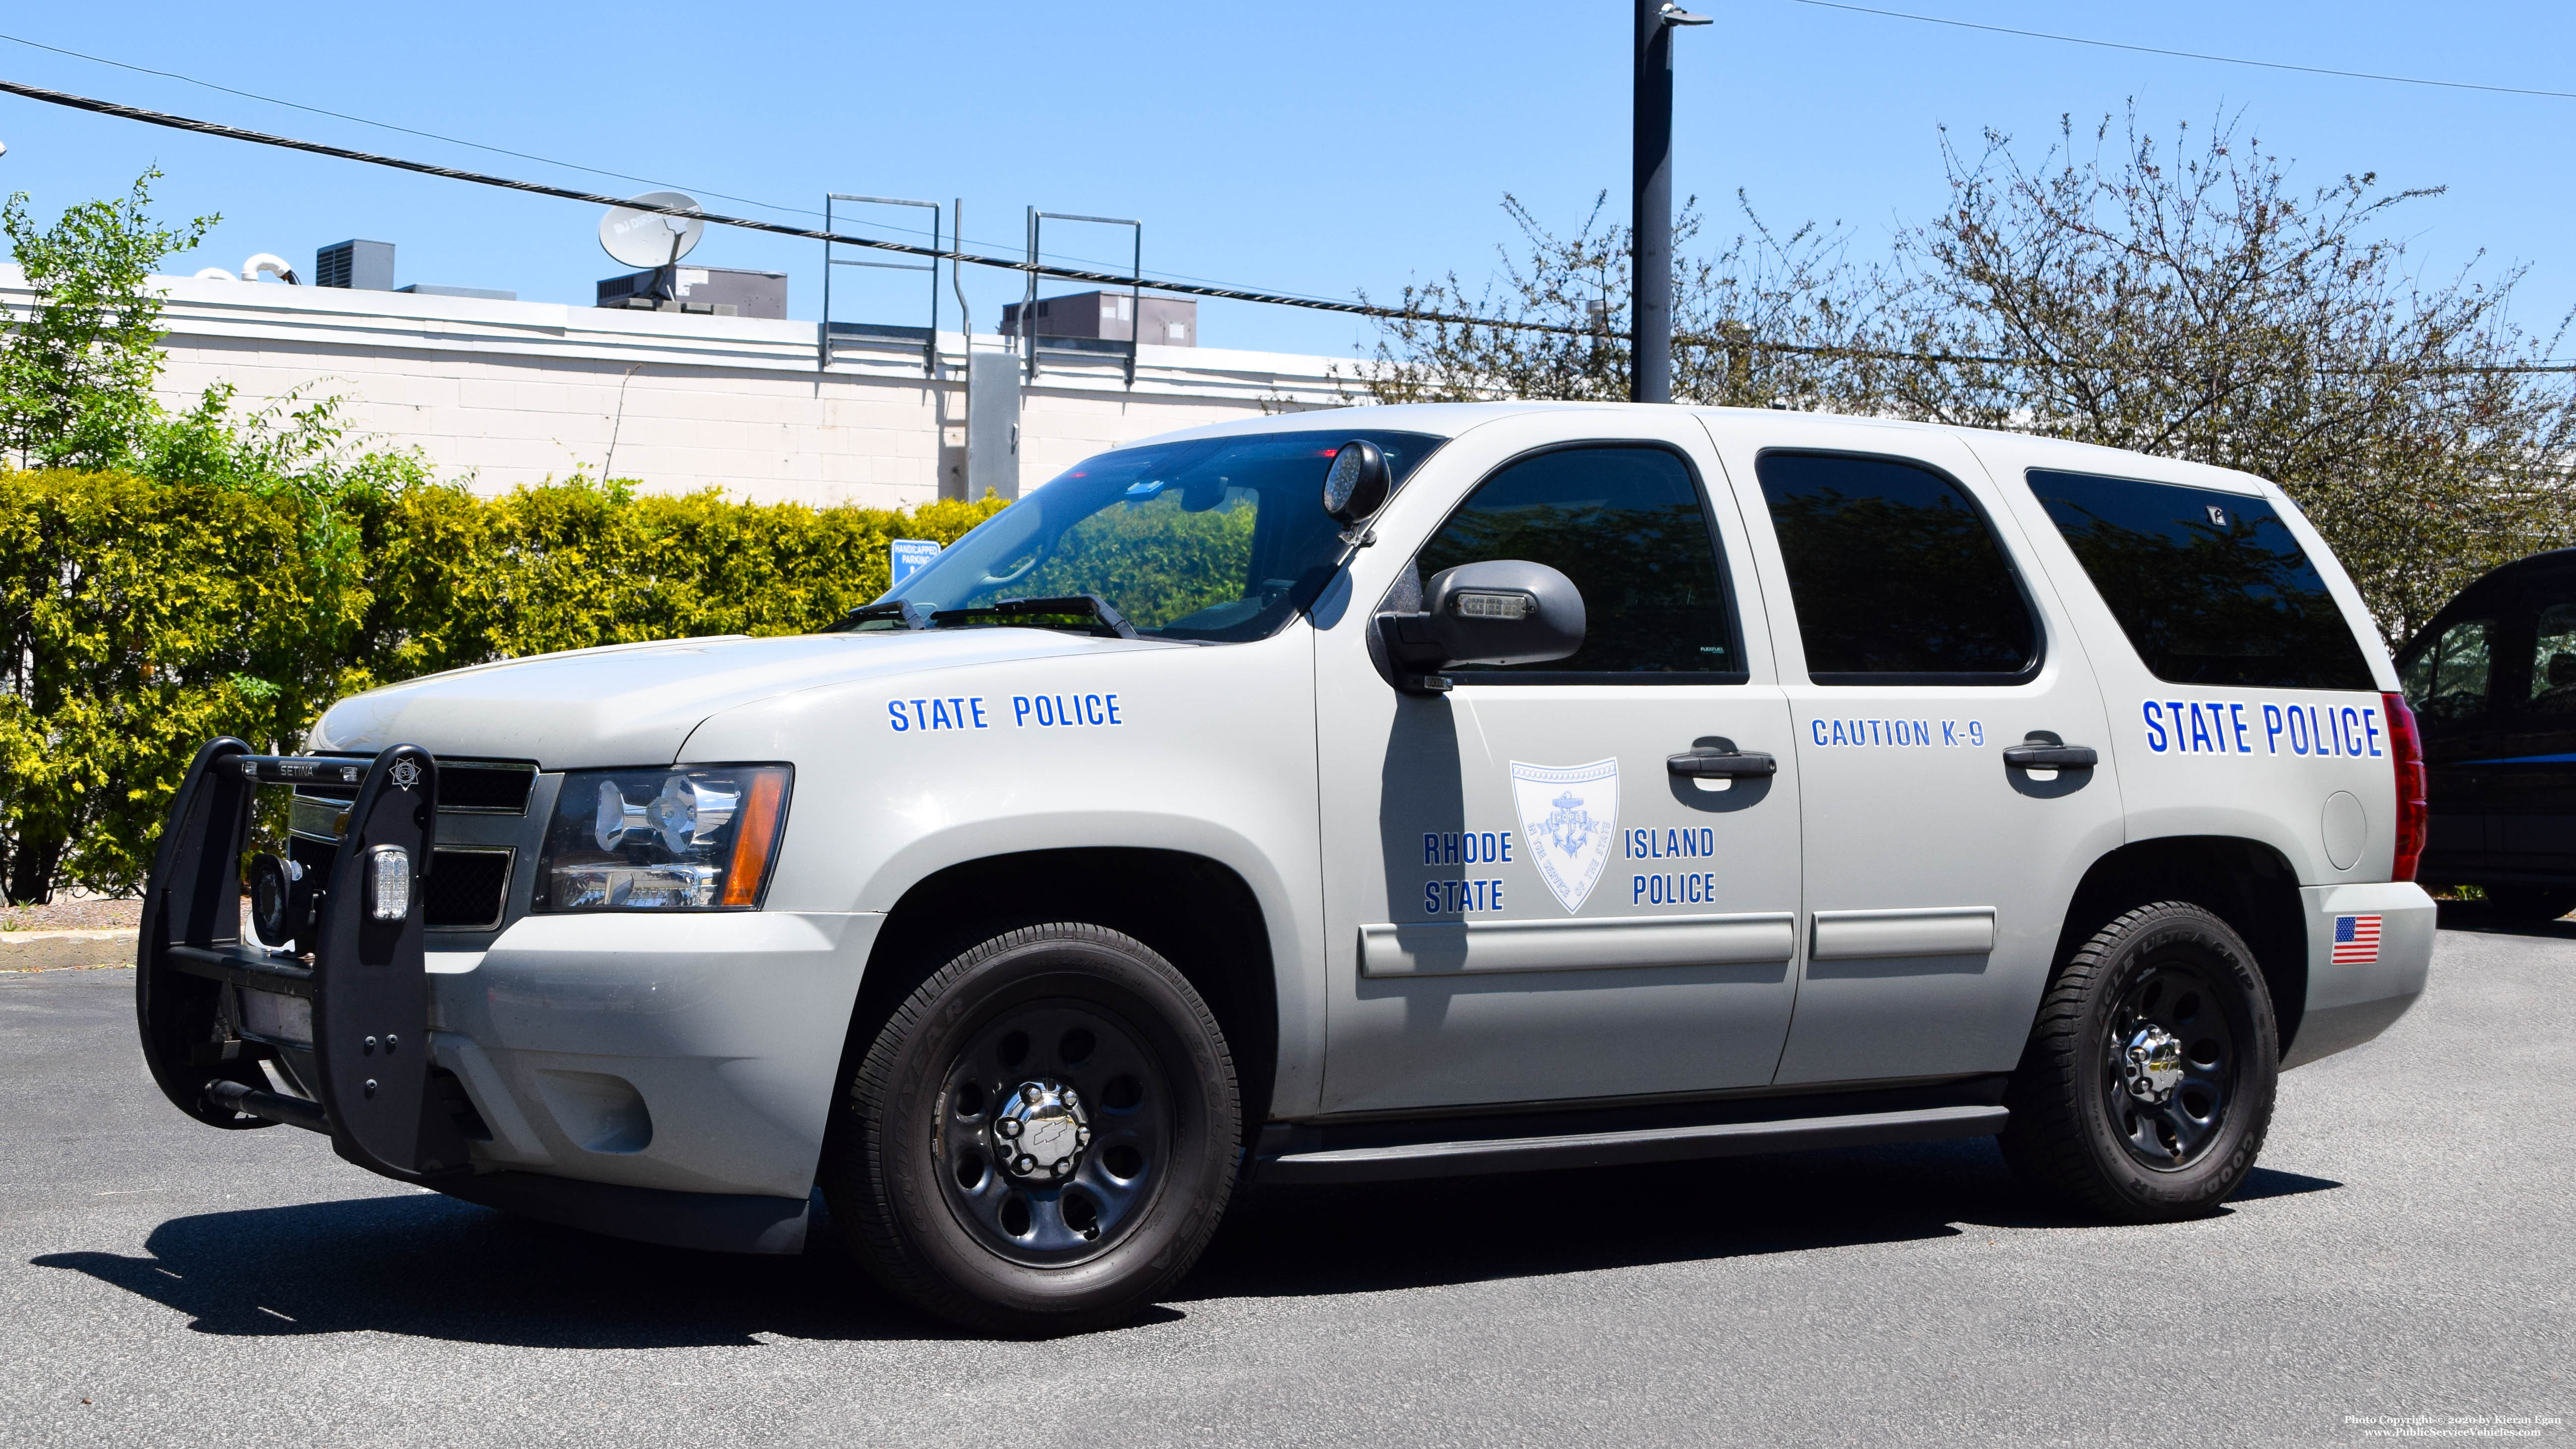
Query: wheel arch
x=2246, y=883
x=1195, y=911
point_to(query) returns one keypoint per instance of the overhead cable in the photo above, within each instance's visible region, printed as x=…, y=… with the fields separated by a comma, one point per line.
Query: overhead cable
x=437, y=136
x=1041, y=267
x=2403, y=80
x=390, y=126
x=564, y=193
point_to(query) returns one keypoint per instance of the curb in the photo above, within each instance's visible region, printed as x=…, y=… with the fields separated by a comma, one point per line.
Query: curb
x=51, y=950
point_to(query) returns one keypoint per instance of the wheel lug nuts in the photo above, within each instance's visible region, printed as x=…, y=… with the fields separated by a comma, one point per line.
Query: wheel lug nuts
x=1008, y=1127
x=1031, y=1093
x=1026, y=1163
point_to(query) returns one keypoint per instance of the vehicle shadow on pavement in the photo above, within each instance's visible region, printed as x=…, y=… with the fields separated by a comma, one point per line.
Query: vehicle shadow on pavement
x=1305, y=1241
x=2478, y=917
x=430, y=1266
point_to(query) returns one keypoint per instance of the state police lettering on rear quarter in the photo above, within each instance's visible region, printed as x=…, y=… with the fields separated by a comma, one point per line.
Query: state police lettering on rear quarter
x=2216, y=727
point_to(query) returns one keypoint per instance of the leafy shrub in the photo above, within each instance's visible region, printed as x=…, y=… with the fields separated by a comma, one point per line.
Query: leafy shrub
x=142, y=615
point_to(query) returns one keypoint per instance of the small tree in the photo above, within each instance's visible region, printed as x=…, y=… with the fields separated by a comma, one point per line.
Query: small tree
x=2189, y=302
x=77, y=368
x=1793, y=289
x=2165, y=298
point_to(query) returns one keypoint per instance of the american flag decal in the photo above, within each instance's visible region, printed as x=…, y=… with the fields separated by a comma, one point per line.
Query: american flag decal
x=2356, y=940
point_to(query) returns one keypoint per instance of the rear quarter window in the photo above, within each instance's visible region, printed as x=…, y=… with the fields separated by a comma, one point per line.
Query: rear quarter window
x=2210, y=587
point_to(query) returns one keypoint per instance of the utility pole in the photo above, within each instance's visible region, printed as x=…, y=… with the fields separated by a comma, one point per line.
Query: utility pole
x=1650, y=314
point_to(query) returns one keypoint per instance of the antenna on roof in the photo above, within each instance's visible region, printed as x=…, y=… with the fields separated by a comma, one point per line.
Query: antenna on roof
x=651, y=238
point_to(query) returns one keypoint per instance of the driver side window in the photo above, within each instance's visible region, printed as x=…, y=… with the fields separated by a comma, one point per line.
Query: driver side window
x=1626, y=525
x=2448, y=682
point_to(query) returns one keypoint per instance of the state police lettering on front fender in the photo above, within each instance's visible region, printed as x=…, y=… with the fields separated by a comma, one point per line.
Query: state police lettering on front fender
x=1049, y=711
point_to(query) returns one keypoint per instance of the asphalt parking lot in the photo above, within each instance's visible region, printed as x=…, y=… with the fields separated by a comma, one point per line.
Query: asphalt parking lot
x=2407, y=1250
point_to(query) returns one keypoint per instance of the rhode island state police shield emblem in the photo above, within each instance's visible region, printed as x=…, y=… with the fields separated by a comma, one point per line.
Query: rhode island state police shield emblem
x=1568, y=817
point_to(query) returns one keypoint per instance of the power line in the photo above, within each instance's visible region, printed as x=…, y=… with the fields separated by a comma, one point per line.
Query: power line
x=1040, y=267
x=461, y=141
x=2403, y=80
x=390, y=126
x=1012, y=264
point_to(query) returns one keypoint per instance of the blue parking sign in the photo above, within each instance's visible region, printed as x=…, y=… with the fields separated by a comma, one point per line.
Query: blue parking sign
x=908, y=556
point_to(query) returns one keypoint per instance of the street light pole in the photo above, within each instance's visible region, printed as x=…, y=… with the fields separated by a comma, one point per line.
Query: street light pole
x=1650, y=375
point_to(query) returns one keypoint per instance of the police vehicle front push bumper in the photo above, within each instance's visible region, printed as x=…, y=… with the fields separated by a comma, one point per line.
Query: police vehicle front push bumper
x=368, y=1073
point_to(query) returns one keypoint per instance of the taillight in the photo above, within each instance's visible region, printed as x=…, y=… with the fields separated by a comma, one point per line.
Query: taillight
x=2406, y=748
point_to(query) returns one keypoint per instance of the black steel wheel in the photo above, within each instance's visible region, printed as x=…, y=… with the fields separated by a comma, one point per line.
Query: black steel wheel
x=2147, y=1087
x=2169, y=1064
x=1041, y=1137
x=1057, y=1130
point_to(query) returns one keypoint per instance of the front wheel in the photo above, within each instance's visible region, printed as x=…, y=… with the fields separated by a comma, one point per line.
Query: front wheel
x=2148, y=1082
x=1041, y=1137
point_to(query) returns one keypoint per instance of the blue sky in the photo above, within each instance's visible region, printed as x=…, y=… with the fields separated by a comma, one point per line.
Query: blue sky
x=1320, y=148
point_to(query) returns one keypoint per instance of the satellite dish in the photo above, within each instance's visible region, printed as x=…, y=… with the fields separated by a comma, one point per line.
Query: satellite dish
x=650, y=238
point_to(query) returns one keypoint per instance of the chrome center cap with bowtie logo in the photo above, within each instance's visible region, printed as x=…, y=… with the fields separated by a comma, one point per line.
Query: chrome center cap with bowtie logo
x=2151, y=1065
x=1040, y=1131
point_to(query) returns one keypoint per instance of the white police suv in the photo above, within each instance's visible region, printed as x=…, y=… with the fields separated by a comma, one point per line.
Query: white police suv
x=1339, y=797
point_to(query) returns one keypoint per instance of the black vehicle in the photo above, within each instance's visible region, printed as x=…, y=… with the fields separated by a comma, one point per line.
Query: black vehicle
x=2493, y=683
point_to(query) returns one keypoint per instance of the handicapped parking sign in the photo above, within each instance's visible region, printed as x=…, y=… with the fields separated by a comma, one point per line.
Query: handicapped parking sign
x=908, y=556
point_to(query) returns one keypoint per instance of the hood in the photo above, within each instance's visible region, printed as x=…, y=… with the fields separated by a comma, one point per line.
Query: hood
x=635, y=704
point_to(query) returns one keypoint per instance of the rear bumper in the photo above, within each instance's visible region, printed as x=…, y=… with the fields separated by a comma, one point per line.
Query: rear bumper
x=2353, y=1000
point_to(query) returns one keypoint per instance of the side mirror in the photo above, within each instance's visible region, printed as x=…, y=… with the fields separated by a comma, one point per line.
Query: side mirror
x=1357, y=483
x=1502, y=611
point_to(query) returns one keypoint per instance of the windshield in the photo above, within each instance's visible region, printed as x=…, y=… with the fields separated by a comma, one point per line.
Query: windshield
x=1211, y=539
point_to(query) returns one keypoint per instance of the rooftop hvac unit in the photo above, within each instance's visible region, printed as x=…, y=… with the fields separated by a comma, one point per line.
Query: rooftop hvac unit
x=718, y=291
x=363, y=264
x=1111, y=317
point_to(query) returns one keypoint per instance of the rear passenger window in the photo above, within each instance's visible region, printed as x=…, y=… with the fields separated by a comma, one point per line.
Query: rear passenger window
x=2448, y=680
x=1895, y=573
x=2553, y=661
x=1626, y=525
x=2210, y=587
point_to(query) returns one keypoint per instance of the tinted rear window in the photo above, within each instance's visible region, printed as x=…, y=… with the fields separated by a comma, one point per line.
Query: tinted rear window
x=2210, y=587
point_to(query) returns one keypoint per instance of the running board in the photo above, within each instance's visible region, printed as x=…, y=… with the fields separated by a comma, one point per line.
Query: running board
x=1611, y=1149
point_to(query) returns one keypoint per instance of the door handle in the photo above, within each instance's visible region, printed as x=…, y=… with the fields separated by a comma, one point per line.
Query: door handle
x=2038, y=756
x=1712, y=764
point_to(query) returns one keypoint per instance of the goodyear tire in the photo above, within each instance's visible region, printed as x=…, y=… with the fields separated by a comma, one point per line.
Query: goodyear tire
x=2148, y=1082
x=1041, y=1137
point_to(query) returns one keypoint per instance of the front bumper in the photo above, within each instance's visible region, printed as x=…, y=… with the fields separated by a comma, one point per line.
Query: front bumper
x=688, y=1052
x=2355, y=998
x=659, y=1076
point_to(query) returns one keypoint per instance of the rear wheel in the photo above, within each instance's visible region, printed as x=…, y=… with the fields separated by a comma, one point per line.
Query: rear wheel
x=2147, y=1086
x=2530, y=905
x=1041, y=1137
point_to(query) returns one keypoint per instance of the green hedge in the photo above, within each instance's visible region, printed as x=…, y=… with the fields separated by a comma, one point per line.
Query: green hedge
x=139, y=617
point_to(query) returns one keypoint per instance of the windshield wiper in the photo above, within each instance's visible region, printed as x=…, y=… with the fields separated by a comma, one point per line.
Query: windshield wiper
x=903, y=611
x=1092, y=604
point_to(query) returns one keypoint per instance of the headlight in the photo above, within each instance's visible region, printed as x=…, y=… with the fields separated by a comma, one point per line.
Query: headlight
x=693, y=839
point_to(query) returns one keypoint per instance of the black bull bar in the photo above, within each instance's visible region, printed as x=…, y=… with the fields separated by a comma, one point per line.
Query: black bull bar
x=360, y=966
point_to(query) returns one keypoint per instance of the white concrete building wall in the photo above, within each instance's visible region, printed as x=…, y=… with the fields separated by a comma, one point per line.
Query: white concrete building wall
x=499, y=394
